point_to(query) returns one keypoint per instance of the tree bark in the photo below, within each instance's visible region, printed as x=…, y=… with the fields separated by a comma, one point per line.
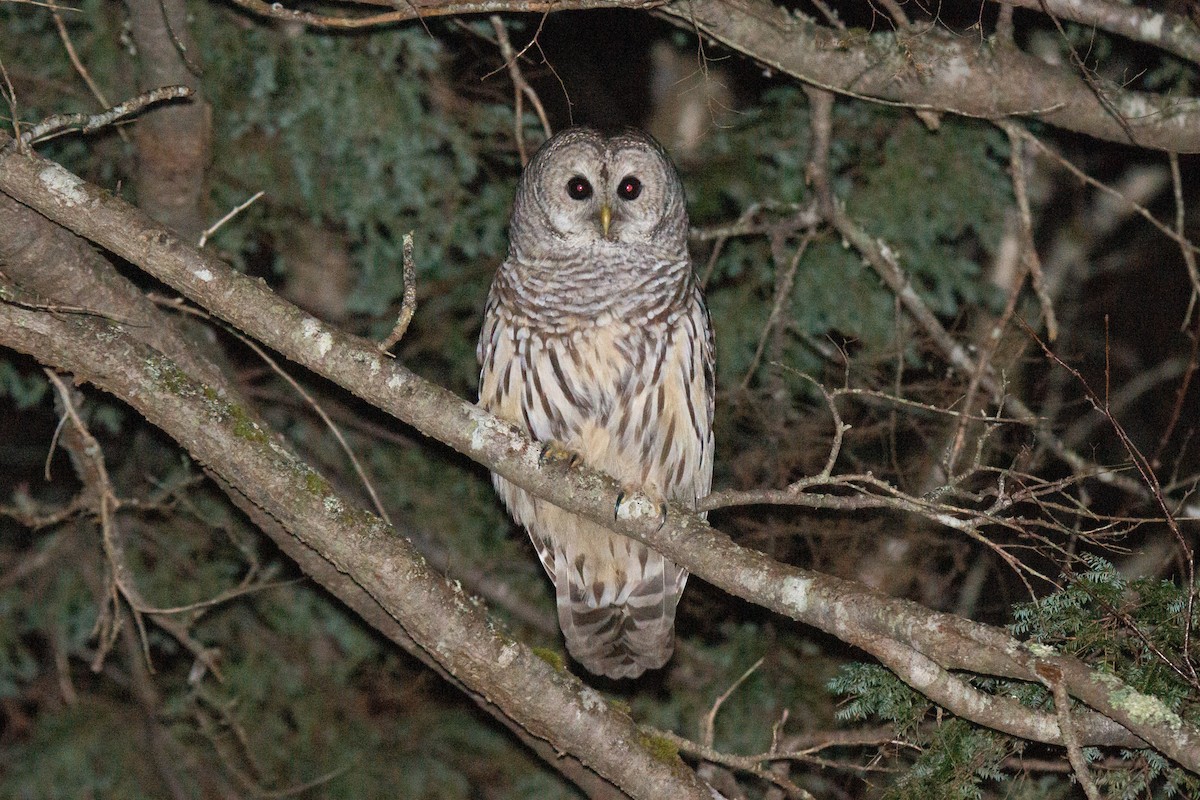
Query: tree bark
x=174, y=141
x=931, y=70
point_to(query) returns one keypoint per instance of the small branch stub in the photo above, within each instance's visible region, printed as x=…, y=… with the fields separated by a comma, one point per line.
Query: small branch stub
x=408, y=305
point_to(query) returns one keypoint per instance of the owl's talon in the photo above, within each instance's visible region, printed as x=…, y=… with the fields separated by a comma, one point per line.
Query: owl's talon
x=631, y=494
x=558, y=452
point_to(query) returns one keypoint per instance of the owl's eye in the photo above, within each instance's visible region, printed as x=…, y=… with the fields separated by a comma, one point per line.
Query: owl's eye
x=578, y=188
x=630, y=188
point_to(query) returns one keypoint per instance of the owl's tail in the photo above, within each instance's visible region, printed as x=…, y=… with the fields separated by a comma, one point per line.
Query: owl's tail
x=619, y=629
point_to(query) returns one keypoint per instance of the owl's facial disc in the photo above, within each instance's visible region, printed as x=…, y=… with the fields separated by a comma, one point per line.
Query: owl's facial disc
x=602, y=208
x=591, y=190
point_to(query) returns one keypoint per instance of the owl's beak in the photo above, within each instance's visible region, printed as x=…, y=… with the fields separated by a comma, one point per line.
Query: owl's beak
x=605, y=218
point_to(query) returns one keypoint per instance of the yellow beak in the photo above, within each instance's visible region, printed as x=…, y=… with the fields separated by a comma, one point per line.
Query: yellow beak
x=605, y=219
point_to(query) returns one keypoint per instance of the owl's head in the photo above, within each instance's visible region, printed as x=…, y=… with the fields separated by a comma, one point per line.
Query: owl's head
x=582, y=188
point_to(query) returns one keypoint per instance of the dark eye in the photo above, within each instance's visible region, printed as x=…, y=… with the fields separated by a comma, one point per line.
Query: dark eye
x=579, y=188
x=630, y=188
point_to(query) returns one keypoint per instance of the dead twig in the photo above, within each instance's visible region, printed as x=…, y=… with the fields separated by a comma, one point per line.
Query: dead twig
x=1088, y=180
x=296, y=387
x=884, y=262
x=748, y=764
x=783, y=292
x=710, y=719
x=521, y=88
x=89, y=462
x=1186, y=669
x=1053, y=680
x=408, y=304
x=59, y=124
x=233, y=213
x=1034, y=264
x=69, y=46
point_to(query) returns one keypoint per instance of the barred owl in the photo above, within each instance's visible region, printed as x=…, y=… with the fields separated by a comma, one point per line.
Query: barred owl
x=597, y=342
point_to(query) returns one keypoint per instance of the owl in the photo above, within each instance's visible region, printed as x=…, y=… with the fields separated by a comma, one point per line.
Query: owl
x=596, y=341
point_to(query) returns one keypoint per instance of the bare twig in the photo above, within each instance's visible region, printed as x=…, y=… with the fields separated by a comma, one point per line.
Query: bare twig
x=839, y=427
x=324, y=417
x=710, y=719
x=994, y=330
x=408, y=304
x=1189, y=253
x=749, y=764
x=886, y=264
x=1083, y=177
x=86, y=123
x=55, y=308
x=232, y=213
x=359, y=470
x=10, y=98
x=1091, y=79
x=1053, y=680
x=1145, y=381
x=1029, y=250
x=1189, y=373
x=78, y=64
x=1186, y=669
x=521, y=88
x=249, y=777
x=785, y=280
x=89, y=460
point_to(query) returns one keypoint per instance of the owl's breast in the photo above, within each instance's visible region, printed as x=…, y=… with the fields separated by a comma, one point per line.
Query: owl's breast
x=620, y=395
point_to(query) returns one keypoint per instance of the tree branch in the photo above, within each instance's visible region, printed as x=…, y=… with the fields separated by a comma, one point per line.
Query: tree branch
x=66, y=269
x=1171, y=32
x=895, y=631
x=930, y=70
x=346, y=589
x=433, y=611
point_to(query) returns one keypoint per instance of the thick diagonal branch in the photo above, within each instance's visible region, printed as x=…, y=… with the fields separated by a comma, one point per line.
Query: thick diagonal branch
x=923, y=645
x=433, y=611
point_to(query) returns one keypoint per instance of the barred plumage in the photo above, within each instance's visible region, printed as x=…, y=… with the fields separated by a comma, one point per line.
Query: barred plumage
x=596, y=338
